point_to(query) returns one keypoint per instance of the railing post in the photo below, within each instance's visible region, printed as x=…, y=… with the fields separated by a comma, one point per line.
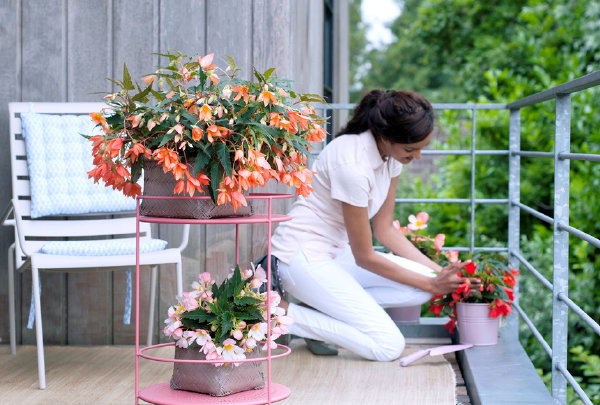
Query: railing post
x=514, y=212
x=560, y=311
x=473, y=147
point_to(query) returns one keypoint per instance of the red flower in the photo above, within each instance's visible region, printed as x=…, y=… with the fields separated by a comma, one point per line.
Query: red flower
x=436, y=309
x=509, y=292
x=464, y=288
x=470, y=268
x=499, y=307
x=451, y=325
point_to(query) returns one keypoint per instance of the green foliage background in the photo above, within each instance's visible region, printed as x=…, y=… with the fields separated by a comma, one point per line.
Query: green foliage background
x=474, y=51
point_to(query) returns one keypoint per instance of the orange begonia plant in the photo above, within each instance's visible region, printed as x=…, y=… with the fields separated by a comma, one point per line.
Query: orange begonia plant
x=214, y=132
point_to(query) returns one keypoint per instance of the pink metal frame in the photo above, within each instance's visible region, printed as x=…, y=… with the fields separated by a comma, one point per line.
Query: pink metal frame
x=161, y=392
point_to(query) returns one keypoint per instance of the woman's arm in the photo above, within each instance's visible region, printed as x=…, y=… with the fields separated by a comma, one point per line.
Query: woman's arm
x=391, y=237
x=358, y=227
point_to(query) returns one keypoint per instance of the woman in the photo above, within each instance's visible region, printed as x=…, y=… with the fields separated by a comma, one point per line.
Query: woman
x=325, y=254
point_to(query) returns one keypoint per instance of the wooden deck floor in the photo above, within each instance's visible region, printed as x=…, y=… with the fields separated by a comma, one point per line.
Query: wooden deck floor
x=104, y=375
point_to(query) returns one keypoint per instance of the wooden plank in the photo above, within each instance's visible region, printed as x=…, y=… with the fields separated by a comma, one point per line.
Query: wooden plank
x=90, y=308
x=272, y=36
x=89, y=46
x=236, y=41
x=182, y=28
x=136, y=37
x=125, y=334
x=10, y=47
x=43, y=78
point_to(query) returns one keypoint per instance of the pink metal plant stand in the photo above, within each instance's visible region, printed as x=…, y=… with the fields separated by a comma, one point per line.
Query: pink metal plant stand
x=162, y=393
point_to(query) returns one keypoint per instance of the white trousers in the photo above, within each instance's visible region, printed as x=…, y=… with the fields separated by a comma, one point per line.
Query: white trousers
x=349, y=303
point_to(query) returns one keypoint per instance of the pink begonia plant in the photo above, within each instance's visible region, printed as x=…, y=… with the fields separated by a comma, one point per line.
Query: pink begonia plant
x=229, y=320
x=432, y=247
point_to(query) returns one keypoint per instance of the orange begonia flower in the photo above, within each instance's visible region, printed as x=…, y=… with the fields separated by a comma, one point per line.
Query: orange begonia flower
x=302, y=120
x=242, y=92
x=206, y=61
x=267, y=98
x=216, y=131
x=197, y=134
x=114, y=146
x=205, y=113
x=98, y=118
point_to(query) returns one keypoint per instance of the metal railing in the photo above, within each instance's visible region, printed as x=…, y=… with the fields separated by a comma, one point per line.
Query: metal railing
x=560, y=220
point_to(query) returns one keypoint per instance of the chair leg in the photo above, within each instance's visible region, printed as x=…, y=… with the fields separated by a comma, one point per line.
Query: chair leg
x=39, y=336
x=179, y=270
x=151, y=320
x=11, y=299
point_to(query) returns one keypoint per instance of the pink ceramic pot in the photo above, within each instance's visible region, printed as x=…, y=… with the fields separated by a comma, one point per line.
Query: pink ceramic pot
x=475, y=324
x=405, y=314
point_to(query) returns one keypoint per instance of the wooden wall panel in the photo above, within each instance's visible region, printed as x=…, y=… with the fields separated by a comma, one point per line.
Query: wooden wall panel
x=89, y=321
x=182, y=28
x=236, y=40
x=135, y=31
x=89, y=49
x=68, y=48
x=10, y=59
x=43, y=78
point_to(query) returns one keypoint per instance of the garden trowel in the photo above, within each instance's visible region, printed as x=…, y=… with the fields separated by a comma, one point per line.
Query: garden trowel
x=432, y=351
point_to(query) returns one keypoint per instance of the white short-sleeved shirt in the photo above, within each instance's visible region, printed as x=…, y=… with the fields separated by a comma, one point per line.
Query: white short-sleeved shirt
x=349, y=169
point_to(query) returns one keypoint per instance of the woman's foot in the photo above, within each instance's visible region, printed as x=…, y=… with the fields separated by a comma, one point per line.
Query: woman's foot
x=320, y=348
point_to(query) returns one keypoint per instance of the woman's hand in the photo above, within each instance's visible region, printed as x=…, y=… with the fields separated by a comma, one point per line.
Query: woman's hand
x=448, y=280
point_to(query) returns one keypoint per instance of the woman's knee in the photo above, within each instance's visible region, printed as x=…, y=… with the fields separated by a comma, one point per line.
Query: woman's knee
x=388, y=346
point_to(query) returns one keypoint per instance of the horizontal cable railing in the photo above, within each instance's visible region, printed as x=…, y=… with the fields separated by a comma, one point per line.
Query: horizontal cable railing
x=534, y=329
x=533, y=270
x=585, y=317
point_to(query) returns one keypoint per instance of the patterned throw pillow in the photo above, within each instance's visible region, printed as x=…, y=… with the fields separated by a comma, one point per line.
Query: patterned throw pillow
x=59, y=158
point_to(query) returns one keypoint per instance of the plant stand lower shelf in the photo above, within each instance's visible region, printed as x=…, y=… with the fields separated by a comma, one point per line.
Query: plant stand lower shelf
x=162, y=394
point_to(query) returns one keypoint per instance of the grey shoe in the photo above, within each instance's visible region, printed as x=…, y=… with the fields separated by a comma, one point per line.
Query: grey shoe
x=276, y=284
x=320, y=348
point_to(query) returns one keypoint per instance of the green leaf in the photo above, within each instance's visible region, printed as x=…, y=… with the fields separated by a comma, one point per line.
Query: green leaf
x=127, y=83
x=215, y=179
x=223, y=155
x=268, y=73
x=136, y=171
x=258, y=76
x=142, y=97
x=201, y=162
x=250, y=315
x=199, y=315
x=246, y=300
x=166, y=138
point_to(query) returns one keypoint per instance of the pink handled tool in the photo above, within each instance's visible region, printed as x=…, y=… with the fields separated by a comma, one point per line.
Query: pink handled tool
x=433, y=351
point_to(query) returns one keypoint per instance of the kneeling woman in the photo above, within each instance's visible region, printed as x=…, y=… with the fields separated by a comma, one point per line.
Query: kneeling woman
x=325, y=254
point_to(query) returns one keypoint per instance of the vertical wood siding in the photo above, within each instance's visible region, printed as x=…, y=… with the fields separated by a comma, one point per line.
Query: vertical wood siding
x=65, y=50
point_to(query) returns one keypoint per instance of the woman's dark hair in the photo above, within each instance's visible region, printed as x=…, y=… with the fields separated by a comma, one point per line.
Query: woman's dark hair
x=395, y=115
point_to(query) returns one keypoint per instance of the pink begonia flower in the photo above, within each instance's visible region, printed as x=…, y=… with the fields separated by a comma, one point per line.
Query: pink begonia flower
x=189, y=301
x=230, y=352
x=201, y=337
x=205, y=278
x=209, y=347
x=238, y=334
x=418, y=222
x=246, y=274
x=260, y=277
x=249, y=343
x=452, y=256
x=439, y=241
x=258, y=331
x=183, y=343
x=214, y=355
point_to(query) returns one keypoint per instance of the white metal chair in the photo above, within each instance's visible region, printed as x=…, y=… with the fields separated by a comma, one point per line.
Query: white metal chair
x=94, y=229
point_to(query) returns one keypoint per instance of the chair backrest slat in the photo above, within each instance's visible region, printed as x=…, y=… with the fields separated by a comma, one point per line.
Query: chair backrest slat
x=78, y=226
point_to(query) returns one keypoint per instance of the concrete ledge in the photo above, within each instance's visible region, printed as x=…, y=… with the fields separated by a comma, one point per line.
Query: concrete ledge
x=502, y=374
x=425, y=328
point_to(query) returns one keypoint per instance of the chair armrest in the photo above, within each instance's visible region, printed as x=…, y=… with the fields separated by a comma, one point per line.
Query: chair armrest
x=5, y=220
x=184, y=237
